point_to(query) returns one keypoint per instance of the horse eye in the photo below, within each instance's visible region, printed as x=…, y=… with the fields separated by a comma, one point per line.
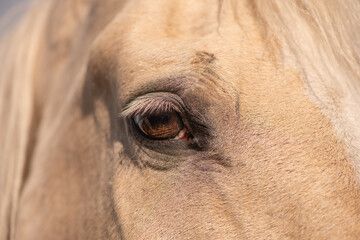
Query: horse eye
x=159, y=125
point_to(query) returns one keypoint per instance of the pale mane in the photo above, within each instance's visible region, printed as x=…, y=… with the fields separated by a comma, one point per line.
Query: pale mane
x=18, y=51
x=321, y=39
x=323, y=36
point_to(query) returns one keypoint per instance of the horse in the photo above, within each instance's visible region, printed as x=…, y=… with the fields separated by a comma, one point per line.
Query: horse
x=169, y=119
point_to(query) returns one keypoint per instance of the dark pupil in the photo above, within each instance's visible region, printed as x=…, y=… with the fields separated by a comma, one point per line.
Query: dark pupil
x=160, y=125
x=161, y=119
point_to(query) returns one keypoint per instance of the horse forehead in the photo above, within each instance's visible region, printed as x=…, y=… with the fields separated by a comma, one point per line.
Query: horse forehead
x=169, y=27
x=148, y=41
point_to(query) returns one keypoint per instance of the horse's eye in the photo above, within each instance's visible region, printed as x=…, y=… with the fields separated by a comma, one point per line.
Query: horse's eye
x=160, y=125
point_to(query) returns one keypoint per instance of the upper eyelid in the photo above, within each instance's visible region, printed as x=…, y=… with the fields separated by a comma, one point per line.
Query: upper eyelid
x=164, y=86
x=153, y=102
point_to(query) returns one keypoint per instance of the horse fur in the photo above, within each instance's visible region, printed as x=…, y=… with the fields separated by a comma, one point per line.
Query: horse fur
x=60, y=101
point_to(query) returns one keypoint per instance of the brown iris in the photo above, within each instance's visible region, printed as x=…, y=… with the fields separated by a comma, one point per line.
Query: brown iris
x=161, y=125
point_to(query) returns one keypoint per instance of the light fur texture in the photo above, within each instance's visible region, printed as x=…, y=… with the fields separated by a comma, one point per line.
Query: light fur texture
x=20, y=51
x=324, y=40
x=273, y=87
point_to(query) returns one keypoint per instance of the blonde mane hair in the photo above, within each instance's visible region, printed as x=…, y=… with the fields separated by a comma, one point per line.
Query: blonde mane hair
x=322, y=38
x=19, y=50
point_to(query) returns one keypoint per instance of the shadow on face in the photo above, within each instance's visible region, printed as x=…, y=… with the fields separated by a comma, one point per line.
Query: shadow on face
x=190, y=127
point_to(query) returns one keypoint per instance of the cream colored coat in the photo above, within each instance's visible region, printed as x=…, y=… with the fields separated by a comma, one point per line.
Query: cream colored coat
x=274, y=83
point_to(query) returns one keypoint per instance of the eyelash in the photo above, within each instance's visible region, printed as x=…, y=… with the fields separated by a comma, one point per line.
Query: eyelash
x=148, y=105
x=155, y=108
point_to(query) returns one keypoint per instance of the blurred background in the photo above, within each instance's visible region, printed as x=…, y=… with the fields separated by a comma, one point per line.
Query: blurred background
x=6, y=5
x=10, y=10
